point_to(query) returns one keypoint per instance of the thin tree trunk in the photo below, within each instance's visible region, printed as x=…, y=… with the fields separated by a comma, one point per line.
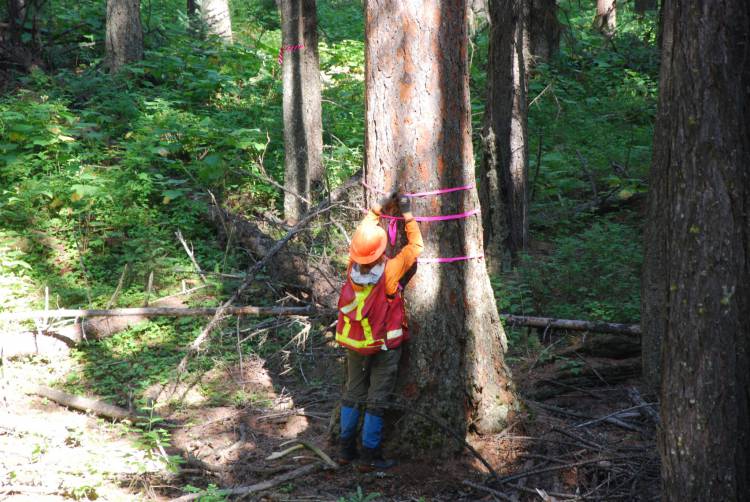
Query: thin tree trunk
x=544, y=31
x=124, y=41
x=697, y=269
x=418, y=137
x=606, y=17
x=503, y=187
x=216, y=16
x=303, y=137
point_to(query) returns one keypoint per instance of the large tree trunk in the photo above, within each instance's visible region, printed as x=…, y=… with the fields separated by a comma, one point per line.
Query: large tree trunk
x=503, y=186
x=124, y=41
x=543, y=31
x=215, y=14
x=303, y=136
x=606, y=16
x=697, y=269
x=418, y=137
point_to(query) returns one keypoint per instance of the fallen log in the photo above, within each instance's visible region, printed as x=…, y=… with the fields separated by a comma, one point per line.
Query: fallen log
x=160, y=311
x=572, y=324
x=321, y=280
x=99, y=408
x=82, y=403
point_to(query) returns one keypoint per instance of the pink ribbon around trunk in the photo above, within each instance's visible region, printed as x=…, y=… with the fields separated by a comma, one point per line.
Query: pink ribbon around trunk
x=450, y=260
x=393, y=220
x=288, y=48
x=423, y=194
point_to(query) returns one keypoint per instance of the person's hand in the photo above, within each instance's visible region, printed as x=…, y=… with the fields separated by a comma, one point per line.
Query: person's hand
x=404, y=204
x=385, y=201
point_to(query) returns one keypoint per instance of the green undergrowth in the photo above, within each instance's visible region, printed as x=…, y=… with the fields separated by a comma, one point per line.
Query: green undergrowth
x=98, y=172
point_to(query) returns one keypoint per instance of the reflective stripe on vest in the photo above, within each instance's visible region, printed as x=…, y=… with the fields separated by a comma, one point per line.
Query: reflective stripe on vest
x=393, y=334
x=369, y=320
x=368, y=342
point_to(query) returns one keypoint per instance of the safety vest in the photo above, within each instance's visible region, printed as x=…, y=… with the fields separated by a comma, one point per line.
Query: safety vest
x=369, y=320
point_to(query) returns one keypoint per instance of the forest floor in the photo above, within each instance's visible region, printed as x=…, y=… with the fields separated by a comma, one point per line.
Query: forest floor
x=548, y=453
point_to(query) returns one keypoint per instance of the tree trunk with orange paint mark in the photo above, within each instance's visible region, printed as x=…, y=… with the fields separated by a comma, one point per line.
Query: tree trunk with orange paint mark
x=418, y=137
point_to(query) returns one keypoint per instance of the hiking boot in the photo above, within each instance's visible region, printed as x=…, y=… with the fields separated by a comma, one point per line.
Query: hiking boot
x=372, y=460
x=347, y=450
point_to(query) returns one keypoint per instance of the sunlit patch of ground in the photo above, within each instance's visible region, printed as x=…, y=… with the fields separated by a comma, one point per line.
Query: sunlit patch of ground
x=48, y=452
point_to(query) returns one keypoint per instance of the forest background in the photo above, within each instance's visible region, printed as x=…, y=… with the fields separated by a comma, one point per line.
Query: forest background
x=98, y=172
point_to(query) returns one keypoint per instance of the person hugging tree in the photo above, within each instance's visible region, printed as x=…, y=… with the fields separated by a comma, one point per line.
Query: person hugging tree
x=372, y=326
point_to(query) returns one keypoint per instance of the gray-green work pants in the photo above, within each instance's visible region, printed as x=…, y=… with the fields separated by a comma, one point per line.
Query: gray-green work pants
x=371, y=380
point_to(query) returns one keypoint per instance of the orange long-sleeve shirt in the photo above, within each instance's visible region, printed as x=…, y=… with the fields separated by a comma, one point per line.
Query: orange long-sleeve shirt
x=396, y=267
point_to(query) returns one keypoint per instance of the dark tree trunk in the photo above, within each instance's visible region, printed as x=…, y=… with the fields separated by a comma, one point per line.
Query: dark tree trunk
x=606, y=16
x=696, y=293
x=641, y=6
x=216, y=17
x=418, y=137
x=192, y=8
x=124, y=42
x=503, y=186
x=303, y=136
x=544, y=31
x=16, y=17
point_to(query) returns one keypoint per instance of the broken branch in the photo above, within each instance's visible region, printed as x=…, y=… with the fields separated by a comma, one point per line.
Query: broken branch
x=573, y=324
x=265, y=485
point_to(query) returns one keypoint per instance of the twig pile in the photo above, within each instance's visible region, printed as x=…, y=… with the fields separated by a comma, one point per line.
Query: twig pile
x=581, y=457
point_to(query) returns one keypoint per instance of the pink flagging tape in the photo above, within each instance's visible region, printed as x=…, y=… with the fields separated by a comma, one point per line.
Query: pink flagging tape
x=393, y=231
x=288, y=48
x=423, y=194
x=451, y=259
x=443, y=217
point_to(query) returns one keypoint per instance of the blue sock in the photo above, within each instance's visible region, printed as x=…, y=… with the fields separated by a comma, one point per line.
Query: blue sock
x=372, y=431
x=349, y=420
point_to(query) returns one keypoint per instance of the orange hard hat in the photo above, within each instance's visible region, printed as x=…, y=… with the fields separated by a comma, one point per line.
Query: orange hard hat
x=368, y=243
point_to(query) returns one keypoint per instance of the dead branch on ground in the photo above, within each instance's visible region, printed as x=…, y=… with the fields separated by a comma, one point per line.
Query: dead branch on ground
x=258, y=487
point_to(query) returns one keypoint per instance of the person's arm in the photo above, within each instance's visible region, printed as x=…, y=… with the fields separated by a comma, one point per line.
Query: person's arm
x=403, y=261
x=372, y=217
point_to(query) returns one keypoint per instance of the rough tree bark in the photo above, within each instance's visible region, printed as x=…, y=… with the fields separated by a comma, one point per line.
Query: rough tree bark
x=303, y=137
x=503, y=186
x=418, y=137
x=215, y=14
x=606, y=17
x=543, y=31
x=124, y=39
x=696, y=283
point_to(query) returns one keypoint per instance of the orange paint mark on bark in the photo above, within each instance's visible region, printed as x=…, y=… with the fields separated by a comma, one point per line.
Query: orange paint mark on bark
x=440, y=166
x=410, y=391
x=424, y=172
